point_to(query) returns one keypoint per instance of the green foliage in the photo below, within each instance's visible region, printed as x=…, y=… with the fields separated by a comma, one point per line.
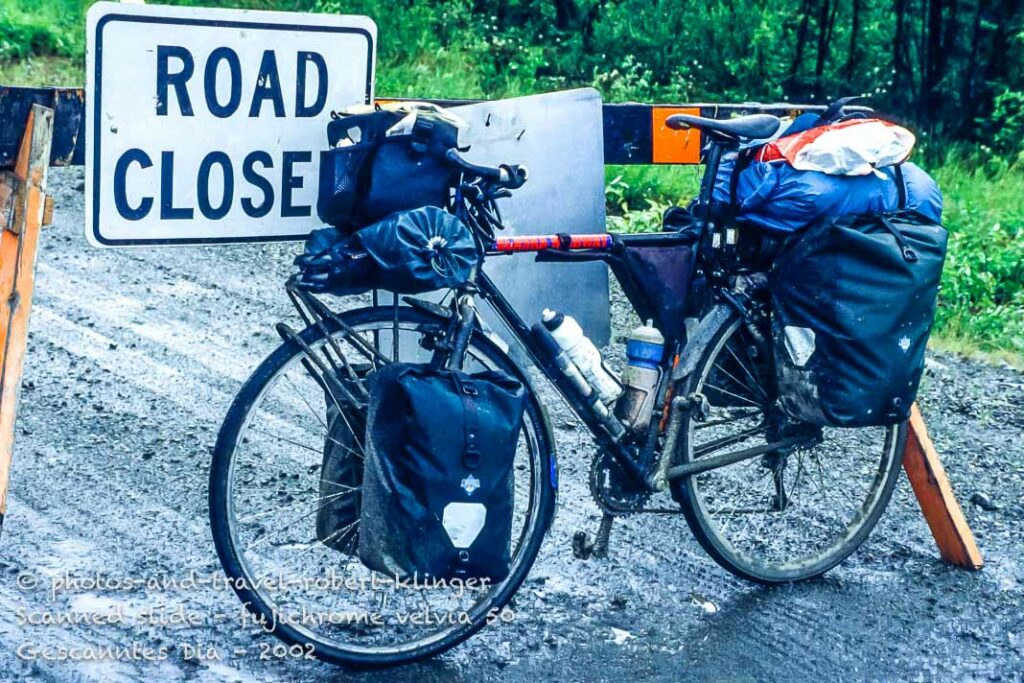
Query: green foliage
x=1008, y=119
x=961, y=81
x=982, y=295
x=45, y=28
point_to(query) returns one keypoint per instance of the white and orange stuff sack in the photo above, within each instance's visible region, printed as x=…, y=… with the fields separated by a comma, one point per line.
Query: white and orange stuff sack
x=854, y=147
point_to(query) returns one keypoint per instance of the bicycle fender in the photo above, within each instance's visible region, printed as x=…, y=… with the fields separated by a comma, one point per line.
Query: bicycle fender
x=719, y=316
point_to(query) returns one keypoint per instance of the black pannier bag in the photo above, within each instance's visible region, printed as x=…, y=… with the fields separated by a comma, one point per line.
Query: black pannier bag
x=409, y=252
x=853, y=302
x=371, y=172
x=437, y=486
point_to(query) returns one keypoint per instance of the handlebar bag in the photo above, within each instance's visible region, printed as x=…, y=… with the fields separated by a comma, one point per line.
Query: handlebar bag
x=437, y=491
x=378, y=165
x=853, y=301
x=409, y=252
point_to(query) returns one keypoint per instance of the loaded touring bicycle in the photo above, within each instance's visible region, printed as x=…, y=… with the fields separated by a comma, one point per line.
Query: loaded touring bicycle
x=347, y=479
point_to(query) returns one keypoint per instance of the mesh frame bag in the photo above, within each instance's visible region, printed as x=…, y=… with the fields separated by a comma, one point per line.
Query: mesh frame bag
x=853, y=301
x=438, y=491
x=373, y=174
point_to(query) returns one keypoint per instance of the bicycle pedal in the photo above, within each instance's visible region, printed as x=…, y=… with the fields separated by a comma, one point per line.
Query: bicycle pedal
x=583, y=548
x=582, y=545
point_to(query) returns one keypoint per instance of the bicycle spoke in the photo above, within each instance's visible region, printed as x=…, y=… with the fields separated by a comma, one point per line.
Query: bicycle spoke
x=729, y=393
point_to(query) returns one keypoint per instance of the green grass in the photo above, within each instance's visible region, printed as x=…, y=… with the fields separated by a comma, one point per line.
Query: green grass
x=439, y=51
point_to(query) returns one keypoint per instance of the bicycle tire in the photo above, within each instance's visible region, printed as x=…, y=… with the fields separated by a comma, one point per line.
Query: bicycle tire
x=235, y=420
x=705, y=530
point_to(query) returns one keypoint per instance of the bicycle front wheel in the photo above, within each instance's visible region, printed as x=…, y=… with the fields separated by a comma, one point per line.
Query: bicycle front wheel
x=784, y=516
x=284, y=501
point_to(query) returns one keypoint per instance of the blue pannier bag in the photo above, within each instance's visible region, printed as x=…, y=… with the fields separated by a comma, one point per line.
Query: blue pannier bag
x=853, y=300
x=438, y=488
x=779, y=198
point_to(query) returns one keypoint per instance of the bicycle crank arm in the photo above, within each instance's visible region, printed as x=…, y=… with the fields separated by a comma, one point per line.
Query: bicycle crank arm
x=716, y=461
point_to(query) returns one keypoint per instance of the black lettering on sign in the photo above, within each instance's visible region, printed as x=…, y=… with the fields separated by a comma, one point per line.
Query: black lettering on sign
x=120, y=182
x=290, y=181
x=176, y=80
x=168, y=211
x=215, y=213
x=260, y=182
x=268, y=87
x=302, y=110
x=225, y=54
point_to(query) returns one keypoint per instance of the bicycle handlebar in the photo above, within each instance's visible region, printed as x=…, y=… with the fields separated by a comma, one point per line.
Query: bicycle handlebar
x=511, y=176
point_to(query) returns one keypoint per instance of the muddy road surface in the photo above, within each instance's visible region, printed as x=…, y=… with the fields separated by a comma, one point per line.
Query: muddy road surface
x=133, y=358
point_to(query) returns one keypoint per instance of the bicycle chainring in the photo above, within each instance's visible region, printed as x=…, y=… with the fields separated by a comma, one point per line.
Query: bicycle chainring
x=613, y=489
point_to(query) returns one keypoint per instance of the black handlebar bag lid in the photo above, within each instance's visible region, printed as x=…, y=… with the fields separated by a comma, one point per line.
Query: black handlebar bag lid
x=853, y=302
x=437, y=490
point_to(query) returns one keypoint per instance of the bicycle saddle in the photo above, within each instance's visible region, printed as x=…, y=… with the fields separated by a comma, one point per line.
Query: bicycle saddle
x=752, y=127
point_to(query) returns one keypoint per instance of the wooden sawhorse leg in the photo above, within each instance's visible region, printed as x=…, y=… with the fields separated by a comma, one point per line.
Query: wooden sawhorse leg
x=935, y=495
x=23, y=203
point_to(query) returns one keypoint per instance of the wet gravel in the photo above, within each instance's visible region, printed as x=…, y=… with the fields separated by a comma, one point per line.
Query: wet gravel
x=134, y=356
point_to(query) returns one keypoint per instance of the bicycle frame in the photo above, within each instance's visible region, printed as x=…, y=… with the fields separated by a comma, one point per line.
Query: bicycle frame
x=565, y=248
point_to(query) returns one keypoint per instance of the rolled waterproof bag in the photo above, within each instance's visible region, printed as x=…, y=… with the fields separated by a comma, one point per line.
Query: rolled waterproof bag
x=853, y=301
x=409, y=252
x=437, y=491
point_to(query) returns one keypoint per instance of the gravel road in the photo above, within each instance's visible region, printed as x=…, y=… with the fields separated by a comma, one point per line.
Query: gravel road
x=134, y=356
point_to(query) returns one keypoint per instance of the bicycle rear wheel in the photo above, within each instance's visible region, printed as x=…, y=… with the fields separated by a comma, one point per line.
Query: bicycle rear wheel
x=786, y=516
x=270, y=483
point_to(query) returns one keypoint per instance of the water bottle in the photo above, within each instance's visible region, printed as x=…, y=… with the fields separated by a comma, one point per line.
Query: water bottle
x=645, y=348
x=583, y=354
x=578, y=383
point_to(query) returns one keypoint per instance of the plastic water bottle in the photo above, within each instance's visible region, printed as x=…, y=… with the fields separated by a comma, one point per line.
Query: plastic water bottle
x=645, y=348
x=578, y=383
x=584, y=355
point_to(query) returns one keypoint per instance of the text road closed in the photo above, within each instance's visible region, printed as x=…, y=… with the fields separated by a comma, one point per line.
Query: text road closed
x=205, y=125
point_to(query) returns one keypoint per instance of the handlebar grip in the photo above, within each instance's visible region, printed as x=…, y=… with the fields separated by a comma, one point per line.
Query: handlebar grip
x=513, y=176
x=506, y=175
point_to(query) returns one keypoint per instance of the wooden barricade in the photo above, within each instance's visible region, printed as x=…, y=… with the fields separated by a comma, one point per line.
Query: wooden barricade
x=24, y=207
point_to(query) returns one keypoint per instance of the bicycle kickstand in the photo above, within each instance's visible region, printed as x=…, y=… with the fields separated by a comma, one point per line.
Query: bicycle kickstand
x=583, y=548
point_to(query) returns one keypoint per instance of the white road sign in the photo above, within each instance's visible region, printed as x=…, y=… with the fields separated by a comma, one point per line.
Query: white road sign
x=205, y=125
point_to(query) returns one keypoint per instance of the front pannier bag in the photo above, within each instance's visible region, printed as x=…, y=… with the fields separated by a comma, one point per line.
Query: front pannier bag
x=853, y=302
x=437, y=486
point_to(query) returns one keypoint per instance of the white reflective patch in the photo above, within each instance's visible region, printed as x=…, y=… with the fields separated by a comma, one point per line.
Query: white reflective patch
x=905, y=343
x=463, y=522
x=799, y=344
